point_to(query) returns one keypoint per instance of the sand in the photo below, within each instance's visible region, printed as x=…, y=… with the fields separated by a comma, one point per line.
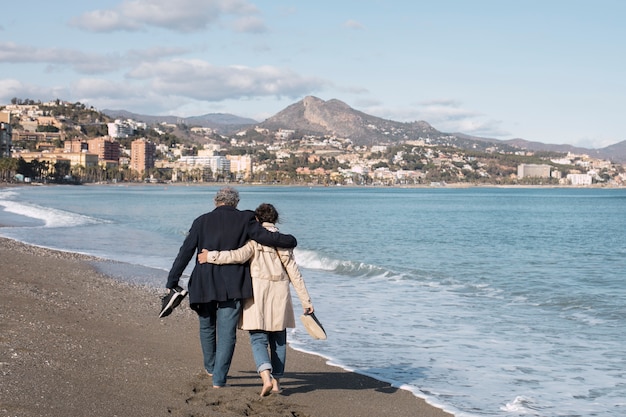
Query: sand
x=74, y=342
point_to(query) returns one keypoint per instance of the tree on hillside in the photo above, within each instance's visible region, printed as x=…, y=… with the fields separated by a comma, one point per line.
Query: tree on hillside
x=47, y=128
x=24, y=102
x=95, y=130
x=71, y=133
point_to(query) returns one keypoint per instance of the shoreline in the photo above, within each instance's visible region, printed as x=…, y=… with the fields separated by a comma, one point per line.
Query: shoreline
x=456, y=185
x=77, y=342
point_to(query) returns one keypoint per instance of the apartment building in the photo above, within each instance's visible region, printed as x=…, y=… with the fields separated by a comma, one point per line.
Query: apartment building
x=74, y=159
x=533, y=171
x=579, y=179
x=240, y=165
x=83, y=159
x=217, y=164
x=120, y=129
x=5, y=134
x=142, y=155
x=107, y=149
x=75, y=146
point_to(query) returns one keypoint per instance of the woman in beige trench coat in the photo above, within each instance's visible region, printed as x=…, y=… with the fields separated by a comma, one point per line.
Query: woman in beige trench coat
x=270, y=312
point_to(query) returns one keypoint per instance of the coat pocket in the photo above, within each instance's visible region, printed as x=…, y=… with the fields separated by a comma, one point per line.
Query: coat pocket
x=270, y=266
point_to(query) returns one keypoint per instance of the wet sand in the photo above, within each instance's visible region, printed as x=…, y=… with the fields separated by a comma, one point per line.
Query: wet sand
x=74, y=342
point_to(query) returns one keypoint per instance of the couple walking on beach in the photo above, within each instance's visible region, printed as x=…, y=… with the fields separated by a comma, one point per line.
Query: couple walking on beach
x=241, y=278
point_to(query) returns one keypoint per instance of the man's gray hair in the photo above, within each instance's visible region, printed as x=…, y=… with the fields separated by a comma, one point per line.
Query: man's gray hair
x=227, y=196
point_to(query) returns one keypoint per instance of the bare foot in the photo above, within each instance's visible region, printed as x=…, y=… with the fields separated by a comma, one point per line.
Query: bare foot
x=266, y=390
x=275, y=385
x=266, y=377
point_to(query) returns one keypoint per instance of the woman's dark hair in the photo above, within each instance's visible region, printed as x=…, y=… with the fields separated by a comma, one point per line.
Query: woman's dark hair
x=266, y=213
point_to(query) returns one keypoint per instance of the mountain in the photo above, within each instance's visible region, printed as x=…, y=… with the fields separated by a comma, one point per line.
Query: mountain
x=314, y=116
x=216, y=121
x=615, y=153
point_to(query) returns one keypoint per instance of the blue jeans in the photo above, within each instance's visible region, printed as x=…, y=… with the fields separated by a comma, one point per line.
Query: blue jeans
x=274, y=359
x=218, y=335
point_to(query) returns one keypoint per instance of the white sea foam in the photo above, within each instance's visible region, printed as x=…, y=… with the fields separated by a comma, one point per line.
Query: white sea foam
x=7, y=194
x=314, y=260
x=521, y=405
x=51, y=217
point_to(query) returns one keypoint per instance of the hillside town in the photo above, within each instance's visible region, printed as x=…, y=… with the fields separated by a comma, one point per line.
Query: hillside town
x=64, y=142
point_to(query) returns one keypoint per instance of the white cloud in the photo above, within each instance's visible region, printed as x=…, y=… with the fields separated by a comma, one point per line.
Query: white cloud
x=169, y=83
x=446, y=115
x=11, y=88
x=182, y=16
x=11, y=52
x=188, y=89
x=202, y=81
x=57, y=59
x=106, y=94
x=105, y=21
x=97, y=87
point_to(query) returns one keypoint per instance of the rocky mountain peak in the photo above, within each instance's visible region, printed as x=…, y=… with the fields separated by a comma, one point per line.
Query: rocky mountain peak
x=312, y=115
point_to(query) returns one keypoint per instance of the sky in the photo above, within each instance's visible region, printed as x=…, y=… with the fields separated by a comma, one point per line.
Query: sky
x=551, y=71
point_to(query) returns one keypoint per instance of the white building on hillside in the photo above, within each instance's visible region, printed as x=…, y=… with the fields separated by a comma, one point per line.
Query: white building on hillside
x=218, y=164
x=533, y=171
x=579, y=179
x=120, y=129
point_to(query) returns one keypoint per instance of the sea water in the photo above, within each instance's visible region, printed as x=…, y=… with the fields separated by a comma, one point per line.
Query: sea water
x=483, y=301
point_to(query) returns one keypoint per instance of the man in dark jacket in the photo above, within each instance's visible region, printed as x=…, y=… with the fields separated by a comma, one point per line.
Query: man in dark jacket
x=216, y=291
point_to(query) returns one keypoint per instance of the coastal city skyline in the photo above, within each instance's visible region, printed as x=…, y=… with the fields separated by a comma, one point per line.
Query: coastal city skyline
x=537, y=71
x=41, y=149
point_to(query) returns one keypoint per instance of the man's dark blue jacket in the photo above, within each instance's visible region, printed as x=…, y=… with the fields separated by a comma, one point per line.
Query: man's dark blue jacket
x=224, y=228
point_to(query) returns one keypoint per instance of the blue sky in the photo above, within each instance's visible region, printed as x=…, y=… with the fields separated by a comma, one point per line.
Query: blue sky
x=549, y=71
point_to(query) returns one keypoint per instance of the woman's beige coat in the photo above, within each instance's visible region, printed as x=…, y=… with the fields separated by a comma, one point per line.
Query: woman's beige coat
x=272, y=269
